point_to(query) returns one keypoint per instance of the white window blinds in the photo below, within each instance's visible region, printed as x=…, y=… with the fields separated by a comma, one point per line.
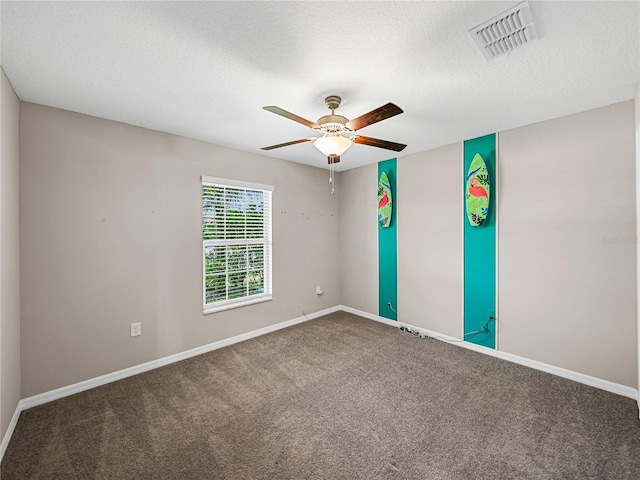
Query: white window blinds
x=236, y=243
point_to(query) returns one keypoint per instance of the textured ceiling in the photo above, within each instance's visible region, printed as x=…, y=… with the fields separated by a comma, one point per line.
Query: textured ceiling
x=205, y=69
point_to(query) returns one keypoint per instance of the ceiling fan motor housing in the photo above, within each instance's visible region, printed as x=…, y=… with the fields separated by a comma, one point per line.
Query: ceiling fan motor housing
x=333, y=124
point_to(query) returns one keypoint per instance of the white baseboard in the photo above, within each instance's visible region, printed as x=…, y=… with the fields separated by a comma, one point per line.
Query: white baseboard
x=560, y=372
x=161, y=362
x=58, y=393
x=10, y=429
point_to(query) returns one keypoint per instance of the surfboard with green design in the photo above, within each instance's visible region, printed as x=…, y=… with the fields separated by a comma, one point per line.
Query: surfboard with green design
x=385, y=202
x=478, y=191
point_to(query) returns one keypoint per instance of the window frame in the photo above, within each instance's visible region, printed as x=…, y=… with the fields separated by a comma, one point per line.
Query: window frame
x=266, y=241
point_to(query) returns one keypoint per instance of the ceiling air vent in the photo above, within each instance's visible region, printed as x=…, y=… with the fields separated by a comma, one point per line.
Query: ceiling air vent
x=505, y=32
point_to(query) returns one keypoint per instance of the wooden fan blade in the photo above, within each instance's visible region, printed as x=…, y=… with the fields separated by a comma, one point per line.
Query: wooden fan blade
x=381, y=113
x=291, y=116
x=376, y=142
x=302, y=140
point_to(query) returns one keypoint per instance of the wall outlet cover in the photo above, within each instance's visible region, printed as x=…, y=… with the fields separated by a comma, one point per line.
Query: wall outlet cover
x=136, y=329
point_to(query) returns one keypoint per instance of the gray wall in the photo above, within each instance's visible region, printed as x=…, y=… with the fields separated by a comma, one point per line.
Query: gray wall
x=9, y=255
x=111, y=234
x=567, y=251
x=566, y=242
x=430, y=240
x=359, y=238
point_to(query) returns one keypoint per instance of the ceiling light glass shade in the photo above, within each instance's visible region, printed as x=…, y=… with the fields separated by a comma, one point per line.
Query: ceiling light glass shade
x=332, y=144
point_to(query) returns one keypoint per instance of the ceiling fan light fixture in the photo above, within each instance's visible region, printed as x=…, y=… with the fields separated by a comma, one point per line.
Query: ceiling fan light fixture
x=332, y=145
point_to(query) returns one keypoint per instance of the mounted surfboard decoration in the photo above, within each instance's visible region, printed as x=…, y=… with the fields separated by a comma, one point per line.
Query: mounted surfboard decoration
x=385, y=201
x=478, y=191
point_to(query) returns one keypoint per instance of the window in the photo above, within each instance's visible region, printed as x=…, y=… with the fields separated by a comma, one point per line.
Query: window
x=236, y=243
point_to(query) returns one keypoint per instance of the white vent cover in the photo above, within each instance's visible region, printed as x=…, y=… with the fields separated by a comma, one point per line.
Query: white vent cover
x=505, y=32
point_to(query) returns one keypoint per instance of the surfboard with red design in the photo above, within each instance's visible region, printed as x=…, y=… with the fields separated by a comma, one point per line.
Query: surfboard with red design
x=478, y=191
x=385, y=201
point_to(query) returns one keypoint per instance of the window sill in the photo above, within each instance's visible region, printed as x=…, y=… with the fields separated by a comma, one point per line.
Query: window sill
x=235, y=304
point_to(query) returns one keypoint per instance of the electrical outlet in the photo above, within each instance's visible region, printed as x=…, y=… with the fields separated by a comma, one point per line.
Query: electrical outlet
x=136, y=329
x=319, y=290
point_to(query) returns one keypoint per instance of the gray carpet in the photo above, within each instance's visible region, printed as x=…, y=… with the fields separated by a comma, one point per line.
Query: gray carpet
x=339, y=397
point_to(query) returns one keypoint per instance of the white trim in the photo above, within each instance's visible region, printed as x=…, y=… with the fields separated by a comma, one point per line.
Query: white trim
x=496, y=203
x=394, y=194
x=265, y=241
x=230, y=304
x=463, y=211
x=226, y=182
x=638, y=235
x=10, y=429
x=544, y=367
x=161, y=362
x=62, y=392
x=637, y=103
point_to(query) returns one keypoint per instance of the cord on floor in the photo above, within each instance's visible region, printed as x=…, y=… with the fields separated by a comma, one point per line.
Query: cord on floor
x=468, y=336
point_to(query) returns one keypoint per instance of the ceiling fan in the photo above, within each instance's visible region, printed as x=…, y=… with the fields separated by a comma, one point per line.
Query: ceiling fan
x=335, y=129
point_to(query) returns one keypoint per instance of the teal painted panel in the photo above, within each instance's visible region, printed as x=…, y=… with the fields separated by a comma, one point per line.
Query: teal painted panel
x=480, y=252
x=388, y=250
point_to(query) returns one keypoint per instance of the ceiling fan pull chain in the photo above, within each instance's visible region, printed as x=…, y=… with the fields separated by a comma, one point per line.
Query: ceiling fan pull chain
x=331, y=177
x=333, y=183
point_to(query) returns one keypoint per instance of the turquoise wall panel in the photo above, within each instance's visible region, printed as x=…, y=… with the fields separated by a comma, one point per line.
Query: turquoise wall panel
x=388, y=251
x=480, y=252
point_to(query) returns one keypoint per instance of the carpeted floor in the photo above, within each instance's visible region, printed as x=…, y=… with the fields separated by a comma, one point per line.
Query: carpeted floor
x=340, y=397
